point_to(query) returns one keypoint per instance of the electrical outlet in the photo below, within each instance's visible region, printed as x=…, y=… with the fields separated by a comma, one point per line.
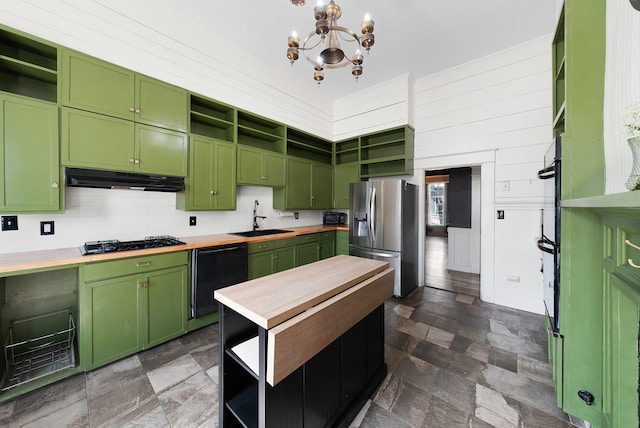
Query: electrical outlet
x=9, y=222
x=46, y=228
x=192, y=220
x=296, y=216
x=500, y=215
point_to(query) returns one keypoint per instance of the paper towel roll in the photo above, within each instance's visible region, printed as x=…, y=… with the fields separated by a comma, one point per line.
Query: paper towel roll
x=281, y=214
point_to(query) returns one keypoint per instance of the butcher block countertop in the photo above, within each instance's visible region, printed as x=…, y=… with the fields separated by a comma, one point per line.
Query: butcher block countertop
x=13, y=263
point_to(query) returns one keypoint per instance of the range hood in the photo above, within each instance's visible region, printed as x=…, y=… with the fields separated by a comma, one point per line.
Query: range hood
x=77, y=177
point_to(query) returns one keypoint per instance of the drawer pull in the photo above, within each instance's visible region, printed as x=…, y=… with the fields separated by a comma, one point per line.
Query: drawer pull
x=629, y=260
x=143, y=264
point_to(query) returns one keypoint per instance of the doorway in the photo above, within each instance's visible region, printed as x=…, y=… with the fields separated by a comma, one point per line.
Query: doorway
x=452, y=238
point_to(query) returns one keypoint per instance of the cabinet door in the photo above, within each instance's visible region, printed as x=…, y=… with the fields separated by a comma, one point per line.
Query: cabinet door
x=298, y=187
x=166, y=305
x=97, y=86
x=111, y=311
x=96, y=141
x=29, y=137
x=342, y=242
x=344, y=175
x=326, y=248
x=161, y=104
x=160, y=151
x=200, y=182
x=224, y=183
x=273, y=166
x=620, y=362
x=354, y=361
x=250, y=166
x=260, y=264
x=322, y=190
x=285, y=258
x=306, y=253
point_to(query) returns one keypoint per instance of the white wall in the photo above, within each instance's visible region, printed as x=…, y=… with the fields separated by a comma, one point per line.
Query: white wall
x=496, y=113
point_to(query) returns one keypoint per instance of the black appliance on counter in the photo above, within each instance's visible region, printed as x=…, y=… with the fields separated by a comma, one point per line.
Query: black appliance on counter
x=549, y=241
x=331, y=217
x=112, y=246
x=213, y=268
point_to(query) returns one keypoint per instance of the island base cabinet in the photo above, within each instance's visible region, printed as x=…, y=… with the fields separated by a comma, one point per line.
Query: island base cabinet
x=328, y=390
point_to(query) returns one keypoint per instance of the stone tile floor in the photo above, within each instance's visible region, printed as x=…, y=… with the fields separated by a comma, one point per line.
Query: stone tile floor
x=453, y=361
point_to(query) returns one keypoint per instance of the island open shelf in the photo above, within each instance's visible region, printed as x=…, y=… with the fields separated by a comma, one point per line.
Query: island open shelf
x=303, y=347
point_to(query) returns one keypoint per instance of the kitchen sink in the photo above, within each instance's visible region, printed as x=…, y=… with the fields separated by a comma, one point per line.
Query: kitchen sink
x=252, y=233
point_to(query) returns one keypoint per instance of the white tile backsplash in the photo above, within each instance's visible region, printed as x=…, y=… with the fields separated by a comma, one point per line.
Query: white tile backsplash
x=98, y=214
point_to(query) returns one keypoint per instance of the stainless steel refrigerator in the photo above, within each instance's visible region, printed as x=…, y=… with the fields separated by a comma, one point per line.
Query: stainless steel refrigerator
x=384, y=226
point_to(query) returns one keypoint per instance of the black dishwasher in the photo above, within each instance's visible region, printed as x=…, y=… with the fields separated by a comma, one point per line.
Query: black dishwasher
x=213, y=268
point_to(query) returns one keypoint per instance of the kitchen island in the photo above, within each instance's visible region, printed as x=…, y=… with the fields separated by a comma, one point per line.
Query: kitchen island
x=303, y=347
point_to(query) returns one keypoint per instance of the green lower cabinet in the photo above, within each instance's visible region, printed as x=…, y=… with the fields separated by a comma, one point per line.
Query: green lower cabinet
x=342, y=242
x=211, y=184
x=270, y=257
x=29, y=137
x=121, y=315
x=620, y=360
x=326, y=245
x=307, y=249
x=344, y=174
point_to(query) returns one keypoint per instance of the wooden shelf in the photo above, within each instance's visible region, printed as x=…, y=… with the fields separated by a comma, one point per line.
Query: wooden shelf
x=28, y=67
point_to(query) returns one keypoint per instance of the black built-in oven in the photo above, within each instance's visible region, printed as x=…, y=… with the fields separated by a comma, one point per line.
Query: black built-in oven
x=549, y=241
x=213, y=268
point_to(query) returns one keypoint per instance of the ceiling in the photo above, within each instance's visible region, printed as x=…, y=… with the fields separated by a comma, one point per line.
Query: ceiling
x=420, y=37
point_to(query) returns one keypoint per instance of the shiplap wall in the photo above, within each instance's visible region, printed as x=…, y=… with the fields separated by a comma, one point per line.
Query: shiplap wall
x=495, y=112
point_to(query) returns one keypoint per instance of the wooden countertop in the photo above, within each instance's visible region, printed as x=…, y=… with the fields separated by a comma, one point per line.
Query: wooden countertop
x=273, y=299
x=13, y=263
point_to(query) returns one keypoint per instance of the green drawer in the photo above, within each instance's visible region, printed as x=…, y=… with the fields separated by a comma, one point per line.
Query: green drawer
x=282, y=243
x=326, y=235
x=303, y=239
x=115, y=268
x=257, y=247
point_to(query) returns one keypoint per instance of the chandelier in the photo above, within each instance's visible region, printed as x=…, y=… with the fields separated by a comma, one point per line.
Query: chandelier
x=298, y=2
x=322, y=47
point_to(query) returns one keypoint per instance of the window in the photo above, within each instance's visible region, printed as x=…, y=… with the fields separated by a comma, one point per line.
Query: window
x=437, y=204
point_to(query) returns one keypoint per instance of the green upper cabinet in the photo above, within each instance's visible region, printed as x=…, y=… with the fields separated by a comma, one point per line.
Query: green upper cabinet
x=261, y=145
x=387, y=152
x=28, y=66
x=260, y=167
x=211, y=184
x=98, y=86
x=344, y=175
x=309, y=186
x=29, y=159
x=346, y=157
x=309, y=176
x=92, y=140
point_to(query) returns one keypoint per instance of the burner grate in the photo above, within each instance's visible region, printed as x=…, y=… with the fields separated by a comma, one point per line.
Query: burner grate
x=110, y=246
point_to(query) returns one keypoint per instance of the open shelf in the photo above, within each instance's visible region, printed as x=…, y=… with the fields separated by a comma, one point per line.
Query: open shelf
x=212, y=119
x=347, y=151
x=28, y=67
x=246, y=354
x=308, y=146
x=244, y=406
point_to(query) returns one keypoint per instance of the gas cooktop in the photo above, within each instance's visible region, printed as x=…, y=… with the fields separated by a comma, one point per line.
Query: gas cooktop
x=102, y=247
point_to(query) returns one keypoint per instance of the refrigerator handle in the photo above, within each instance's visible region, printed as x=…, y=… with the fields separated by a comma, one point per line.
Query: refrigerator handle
x=372, y=210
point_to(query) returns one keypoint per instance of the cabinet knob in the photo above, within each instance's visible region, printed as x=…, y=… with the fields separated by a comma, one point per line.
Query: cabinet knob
x=263, y=177
x=54, y=185
x=132, y=160
x=214, y=193
x=136, y=161
x=144, y=284
x=138, y=111
x=131, y=109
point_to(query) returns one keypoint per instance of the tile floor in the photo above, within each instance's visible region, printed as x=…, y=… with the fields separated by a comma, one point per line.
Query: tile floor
x=453, y=361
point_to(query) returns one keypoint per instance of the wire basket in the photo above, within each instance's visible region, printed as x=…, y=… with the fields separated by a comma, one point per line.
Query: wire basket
x=38, y=346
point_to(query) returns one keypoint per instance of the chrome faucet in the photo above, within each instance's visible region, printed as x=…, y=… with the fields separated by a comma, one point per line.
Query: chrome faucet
x=256, y=216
